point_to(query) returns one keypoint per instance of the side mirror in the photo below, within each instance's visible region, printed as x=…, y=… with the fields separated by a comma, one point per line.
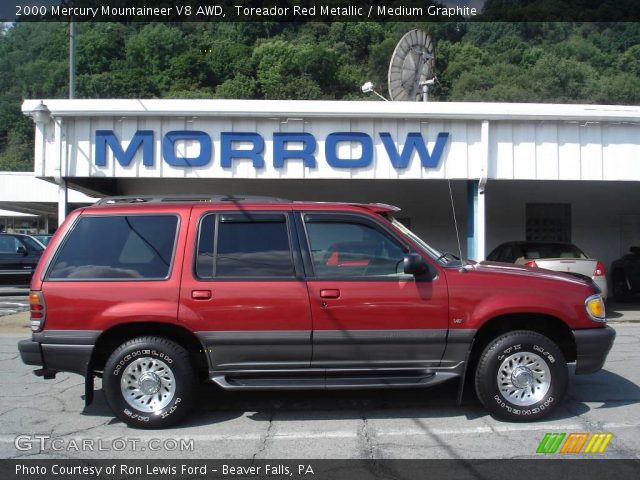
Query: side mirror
x=414, y=264
x=22, y=250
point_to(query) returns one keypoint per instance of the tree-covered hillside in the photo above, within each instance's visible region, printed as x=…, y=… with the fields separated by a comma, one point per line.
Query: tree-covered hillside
x=511, y=62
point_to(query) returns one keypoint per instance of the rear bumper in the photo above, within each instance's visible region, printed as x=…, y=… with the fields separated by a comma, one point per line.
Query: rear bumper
x=592, y=348
x=56, y=357
x=30, y=352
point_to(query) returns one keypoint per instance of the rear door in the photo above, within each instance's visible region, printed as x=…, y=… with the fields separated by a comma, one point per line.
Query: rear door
x=366, y=311
x=245, y=295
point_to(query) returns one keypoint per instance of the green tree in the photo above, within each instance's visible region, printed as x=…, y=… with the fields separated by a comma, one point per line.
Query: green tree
x=239, y=86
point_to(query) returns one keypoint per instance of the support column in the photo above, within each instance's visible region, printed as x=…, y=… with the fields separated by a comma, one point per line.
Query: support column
x=62, y=200
x=475, y=221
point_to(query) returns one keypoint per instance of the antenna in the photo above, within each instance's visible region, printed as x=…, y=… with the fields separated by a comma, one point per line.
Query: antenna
x=411, y=67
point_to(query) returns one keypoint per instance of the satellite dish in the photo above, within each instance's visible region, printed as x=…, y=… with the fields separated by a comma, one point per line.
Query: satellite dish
x=411, y=67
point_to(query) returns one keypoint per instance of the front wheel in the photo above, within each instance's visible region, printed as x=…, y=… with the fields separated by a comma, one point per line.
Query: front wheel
x=149, y=382
x=521, y=376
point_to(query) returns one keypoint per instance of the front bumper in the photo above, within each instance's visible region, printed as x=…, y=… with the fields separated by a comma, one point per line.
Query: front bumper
x=592, y=347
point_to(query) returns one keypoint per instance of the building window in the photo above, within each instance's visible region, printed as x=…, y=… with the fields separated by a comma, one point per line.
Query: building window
x=548, y=222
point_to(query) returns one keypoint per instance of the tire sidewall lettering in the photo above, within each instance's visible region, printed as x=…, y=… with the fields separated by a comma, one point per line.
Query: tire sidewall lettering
x=520, y=342
x=131, y=413
x=142, y=352
x=524, y=411
x=545, y=403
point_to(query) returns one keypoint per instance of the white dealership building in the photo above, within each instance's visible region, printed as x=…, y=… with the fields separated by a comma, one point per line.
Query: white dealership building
x=515, y=171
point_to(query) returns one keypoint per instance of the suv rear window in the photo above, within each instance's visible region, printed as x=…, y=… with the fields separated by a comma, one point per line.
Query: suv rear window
x=118, y=247
x=244, y=245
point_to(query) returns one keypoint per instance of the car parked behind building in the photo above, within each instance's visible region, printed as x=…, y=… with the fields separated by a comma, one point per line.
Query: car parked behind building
x=625, y=275
x=557, y=256
x=156, y=294
x=19, y=255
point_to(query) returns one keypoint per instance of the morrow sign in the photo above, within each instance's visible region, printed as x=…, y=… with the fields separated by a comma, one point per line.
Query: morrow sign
x=253, y=148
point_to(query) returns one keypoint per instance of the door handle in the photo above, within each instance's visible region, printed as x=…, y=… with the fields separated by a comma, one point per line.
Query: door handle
x=329, y=293
x=201, y=294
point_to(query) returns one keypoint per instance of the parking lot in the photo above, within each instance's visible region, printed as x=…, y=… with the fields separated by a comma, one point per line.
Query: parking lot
x=364, y=424
x=13, y=300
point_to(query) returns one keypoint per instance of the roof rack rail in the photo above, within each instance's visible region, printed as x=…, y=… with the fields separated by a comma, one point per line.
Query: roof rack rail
x=189, y=198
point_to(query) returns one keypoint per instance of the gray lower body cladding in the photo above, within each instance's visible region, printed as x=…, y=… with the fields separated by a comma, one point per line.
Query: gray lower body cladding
x=332, y=358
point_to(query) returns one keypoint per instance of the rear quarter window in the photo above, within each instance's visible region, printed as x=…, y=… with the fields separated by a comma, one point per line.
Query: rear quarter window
x=117, y=247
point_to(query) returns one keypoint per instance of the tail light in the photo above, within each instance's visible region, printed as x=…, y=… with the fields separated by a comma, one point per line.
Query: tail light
x=531, y=263
x=599, y=270
x=38, y=310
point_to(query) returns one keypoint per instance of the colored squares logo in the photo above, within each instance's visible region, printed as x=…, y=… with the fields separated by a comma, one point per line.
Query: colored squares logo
x=574, y=443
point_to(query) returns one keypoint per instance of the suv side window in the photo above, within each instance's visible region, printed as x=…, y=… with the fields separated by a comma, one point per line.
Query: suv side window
x=353, y=249
x=235, y=245
x=117, y=247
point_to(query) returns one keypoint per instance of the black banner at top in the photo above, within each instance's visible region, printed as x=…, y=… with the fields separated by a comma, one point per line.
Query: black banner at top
x=320, y=10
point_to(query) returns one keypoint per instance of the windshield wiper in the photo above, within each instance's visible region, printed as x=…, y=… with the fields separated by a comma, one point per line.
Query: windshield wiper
x=447, y=254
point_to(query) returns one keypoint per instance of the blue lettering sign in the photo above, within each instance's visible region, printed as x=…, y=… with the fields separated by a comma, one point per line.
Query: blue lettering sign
x=281, y=151
x=124, y=157
x=228, y=153
x=332, y=156
x=415, y=142
x=281, y=154
x=169, y=148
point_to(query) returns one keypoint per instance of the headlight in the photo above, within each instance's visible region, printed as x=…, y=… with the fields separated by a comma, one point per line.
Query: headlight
x=594, y=305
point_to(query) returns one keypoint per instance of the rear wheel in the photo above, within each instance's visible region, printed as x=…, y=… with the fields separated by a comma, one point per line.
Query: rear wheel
x=149, y=382
x=521, y=376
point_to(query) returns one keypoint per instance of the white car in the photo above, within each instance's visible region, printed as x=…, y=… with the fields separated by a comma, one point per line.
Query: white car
x=558, y=256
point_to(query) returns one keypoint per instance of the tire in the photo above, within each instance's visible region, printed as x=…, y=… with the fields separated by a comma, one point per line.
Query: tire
x=620, y=288
x=532, y=370
x=149, y=382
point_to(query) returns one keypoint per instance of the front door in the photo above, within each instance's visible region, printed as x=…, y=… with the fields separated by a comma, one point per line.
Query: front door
x=366, y=311
x=245, y=296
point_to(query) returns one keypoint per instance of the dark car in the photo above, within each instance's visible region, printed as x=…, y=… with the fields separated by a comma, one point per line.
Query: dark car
x=625, y=275
x=19, y=255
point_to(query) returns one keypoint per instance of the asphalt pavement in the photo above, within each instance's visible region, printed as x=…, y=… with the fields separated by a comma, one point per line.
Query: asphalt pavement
x=421, y=423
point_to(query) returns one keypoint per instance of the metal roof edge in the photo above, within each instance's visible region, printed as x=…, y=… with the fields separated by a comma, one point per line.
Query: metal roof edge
x=292, y=109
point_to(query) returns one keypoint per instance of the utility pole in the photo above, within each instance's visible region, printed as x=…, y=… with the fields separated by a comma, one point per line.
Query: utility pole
x=72, y=58
x=63, y=192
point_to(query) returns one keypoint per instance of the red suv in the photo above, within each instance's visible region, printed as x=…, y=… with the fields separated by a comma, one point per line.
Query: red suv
x=156, y=294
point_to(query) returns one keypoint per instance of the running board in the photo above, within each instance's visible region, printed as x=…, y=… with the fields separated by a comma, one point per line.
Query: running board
x=255, y=381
